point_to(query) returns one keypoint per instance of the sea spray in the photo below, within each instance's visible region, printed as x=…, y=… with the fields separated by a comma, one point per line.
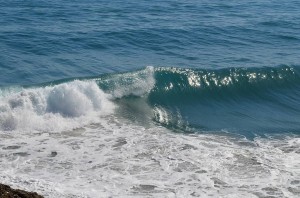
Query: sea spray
x=53, y=108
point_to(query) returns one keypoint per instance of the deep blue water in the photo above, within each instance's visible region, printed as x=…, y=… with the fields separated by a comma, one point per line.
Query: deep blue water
x=218, y=65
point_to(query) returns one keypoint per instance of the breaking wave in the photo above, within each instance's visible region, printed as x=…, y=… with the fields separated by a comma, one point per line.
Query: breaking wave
x=232, y=99
x=53, y=108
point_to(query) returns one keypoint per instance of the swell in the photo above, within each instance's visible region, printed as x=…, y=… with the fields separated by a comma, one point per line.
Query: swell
x=173, y=84
x=247, y=101
x=242, y=100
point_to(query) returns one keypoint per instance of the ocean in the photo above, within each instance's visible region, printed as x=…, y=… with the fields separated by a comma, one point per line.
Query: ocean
x=150, y=98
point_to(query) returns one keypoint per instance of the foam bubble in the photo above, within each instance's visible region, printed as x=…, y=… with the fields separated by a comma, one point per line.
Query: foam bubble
x=53, y=108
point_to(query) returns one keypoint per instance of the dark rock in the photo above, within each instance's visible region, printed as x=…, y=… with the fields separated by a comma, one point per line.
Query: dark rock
x=8, y=192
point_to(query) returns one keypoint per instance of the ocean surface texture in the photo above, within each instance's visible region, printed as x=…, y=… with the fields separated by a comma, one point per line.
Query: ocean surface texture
x=169, y=98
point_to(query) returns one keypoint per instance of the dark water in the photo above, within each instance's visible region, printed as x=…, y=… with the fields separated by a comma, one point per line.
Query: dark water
x=247, y=101
x=218, y=65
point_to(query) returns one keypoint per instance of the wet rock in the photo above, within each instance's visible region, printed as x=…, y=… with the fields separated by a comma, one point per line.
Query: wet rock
x=8, y=192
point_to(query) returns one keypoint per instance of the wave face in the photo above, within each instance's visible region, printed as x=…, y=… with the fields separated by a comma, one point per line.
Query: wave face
x=221, y=84
x=246, y=101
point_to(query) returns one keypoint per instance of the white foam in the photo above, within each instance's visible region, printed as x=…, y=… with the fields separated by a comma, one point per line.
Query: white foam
x=115, y=159
x=166, y=117
x=161, y=115
x=53, y=108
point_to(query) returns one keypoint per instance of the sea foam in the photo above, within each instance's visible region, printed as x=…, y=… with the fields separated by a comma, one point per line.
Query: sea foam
x=53, y=108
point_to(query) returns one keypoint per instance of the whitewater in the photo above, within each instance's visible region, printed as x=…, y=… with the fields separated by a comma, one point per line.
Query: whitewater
x=75, y=139
x=160, y=98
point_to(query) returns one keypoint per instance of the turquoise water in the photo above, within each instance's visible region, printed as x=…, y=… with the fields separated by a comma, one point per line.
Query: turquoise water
x=209, y=76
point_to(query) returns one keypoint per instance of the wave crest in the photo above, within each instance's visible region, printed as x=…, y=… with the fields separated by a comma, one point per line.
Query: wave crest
x=136, y=83
x=199, y=83
x=53, y=108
